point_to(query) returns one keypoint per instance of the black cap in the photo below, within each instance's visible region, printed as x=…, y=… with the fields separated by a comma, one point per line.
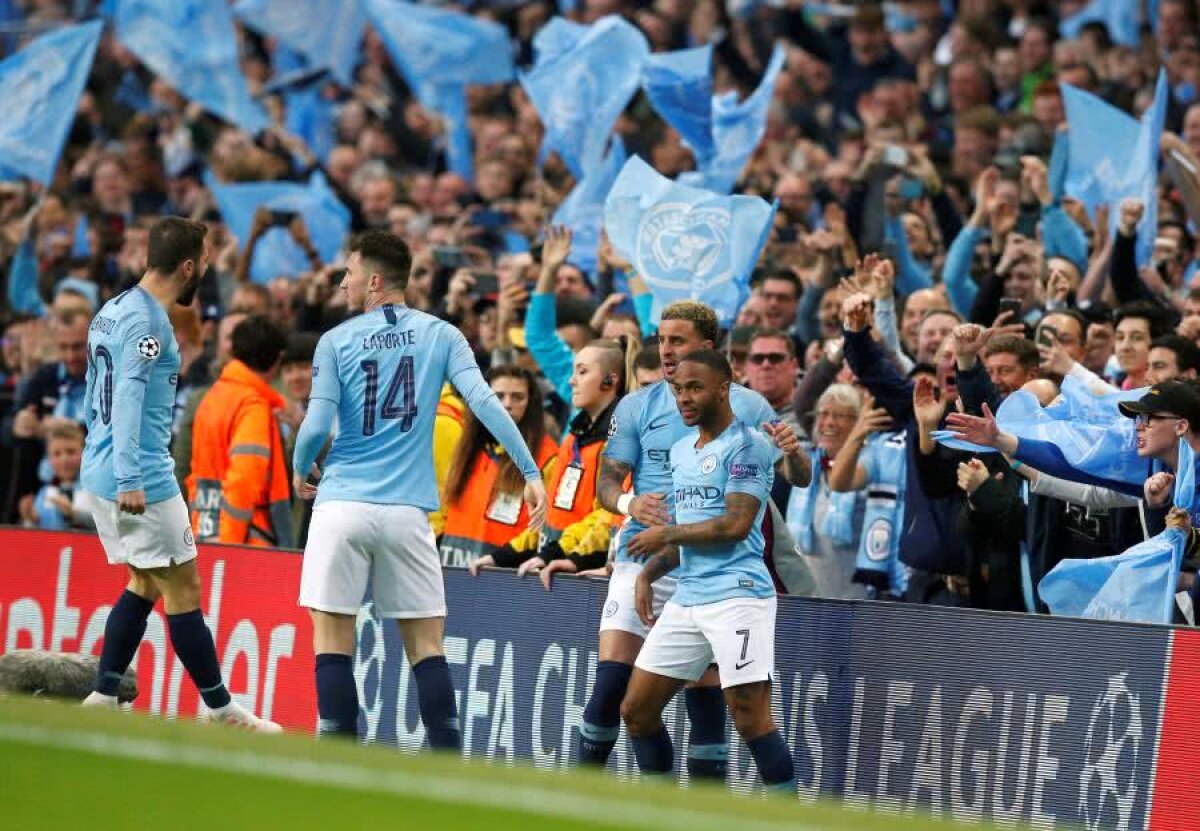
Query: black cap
x=1178, y=398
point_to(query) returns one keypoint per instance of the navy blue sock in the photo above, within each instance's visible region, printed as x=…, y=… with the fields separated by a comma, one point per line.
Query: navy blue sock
x=435, y=696
x=655, y=753
x=122, y=633
x=708, y=750
x=194, y=645
x=337, y=696
x=774, y=762
x=602, y=716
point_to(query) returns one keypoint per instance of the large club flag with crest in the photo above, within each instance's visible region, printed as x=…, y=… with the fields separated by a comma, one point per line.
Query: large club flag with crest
x=328, y=33
x=680, y=88
x=686, y=243
x=276, y=254
x=1112, y=156
x=40, y=86
x=192, y=46
x=1138, y=585
x=579, y=92
x=583, y=209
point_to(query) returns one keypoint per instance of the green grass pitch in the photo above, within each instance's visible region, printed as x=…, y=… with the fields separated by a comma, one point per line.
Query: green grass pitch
x=65, y=768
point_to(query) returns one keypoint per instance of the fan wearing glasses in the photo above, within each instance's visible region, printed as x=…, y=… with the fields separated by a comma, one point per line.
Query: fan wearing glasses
x=771, y=370
x=1166, y=413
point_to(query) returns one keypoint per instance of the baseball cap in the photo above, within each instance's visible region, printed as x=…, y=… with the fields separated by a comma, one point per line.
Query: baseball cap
x=1179, y=398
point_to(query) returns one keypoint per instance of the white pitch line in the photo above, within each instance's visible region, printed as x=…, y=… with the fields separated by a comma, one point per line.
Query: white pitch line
x=533, y=799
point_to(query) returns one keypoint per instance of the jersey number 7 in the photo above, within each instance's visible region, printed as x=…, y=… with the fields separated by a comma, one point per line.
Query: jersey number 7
x=402, y=388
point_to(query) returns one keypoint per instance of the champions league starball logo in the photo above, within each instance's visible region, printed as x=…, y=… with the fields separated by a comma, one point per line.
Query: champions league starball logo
x=1108, y=779
x=680, y=246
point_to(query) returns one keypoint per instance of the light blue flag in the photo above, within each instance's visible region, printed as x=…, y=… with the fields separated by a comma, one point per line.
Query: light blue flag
x=1112, y=156
x=1089, y=429
x=679, y=85
x=739, y=127
x=686, y=243
x=40, y=86
x=583, y=209
x=451, y=102
x=433, y=47
x=276, y=253
x=950, y=439
x=1122, y=18
x=1138, y=585
x=327, y=33
x=191, y=45
x=580, y=93
x=556, y=37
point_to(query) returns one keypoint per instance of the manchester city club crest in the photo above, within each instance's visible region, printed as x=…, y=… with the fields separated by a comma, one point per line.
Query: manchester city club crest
x=708, y=465
x=681, y=246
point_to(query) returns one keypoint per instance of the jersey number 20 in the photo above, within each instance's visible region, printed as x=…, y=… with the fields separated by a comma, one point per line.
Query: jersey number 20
x=104, y=384
x=402, y=389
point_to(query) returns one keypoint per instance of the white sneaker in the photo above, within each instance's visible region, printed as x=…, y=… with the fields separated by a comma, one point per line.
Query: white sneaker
x=235, y=715
x=101, y=701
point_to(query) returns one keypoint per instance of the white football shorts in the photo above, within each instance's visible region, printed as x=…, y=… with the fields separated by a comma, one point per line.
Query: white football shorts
x=392, y=546
x=620, y=610
x=738, y=634
x=159, y=538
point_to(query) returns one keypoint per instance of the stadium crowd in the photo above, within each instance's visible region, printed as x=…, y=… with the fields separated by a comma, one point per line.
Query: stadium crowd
x=923, y=261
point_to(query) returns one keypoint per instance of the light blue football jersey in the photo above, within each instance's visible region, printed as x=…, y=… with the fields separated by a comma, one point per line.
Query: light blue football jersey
x=647, y=423
x=133, y=368
x=384, y=371
x=740, y=460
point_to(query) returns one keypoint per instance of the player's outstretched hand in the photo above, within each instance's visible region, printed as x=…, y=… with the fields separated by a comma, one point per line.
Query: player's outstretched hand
x=535, y=498
x=479, y=563
x=132, y=502
x=555, y=566
x=650, y=509
x=643, y=599
x=648, y=542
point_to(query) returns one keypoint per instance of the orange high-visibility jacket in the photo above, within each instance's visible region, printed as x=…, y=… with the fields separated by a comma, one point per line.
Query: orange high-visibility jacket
x=480, y=519
x=447, y=433
x=239, y=487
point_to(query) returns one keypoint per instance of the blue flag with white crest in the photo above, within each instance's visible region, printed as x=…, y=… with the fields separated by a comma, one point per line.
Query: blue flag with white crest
x=1112, y=156
x=679, y=86
x=1138, y=585
x=40, y=86
x=191, y=45
x=686, y=243
x=583, y=209
x=580, y=92
x=276, y=254
x=328, y=33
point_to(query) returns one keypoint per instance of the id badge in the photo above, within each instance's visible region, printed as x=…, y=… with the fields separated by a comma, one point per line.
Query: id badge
x=505, y=509
x=568, y=486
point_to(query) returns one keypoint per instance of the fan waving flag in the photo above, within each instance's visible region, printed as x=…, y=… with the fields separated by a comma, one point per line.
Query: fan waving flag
x=276, y=254
x=739, y=127
x=191, y=45
x=583, y=209
x=1122, y=18
x=40, y=86
x=686, y=243
x=679, y=86
x=1112, y=156
x=580, y=92
x=326, y=32
x=1138, y=585
x=440, y=53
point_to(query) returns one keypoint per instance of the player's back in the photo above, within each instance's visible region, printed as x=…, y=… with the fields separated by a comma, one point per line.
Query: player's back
x=384, y=369
x=740, y=460
x=130, y=342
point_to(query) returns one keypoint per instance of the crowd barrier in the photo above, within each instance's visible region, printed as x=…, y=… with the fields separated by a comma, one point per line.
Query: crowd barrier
x=1014, y=719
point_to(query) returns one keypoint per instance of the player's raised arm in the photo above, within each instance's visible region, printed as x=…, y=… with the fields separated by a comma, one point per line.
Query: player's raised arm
x=463, y=372
x=140, y=350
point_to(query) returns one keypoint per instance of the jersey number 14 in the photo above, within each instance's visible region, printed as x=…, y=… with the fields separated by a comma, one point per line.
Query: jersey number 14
x=399, y=401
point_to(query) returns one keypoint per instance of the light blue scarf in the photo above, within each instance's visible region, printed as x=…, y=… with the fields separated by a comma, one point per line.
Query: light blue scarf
x=838, y=522
x=877, y=562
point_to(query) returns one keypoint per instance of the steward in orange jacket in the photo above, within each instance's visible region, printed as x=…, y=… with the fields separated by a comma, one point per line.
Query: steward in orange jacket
x=240, y=486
